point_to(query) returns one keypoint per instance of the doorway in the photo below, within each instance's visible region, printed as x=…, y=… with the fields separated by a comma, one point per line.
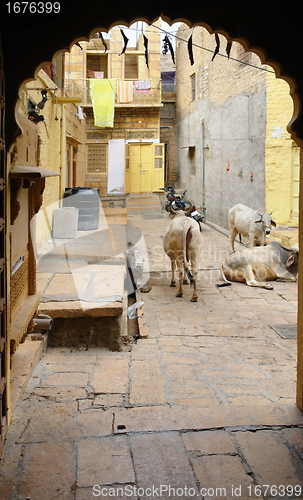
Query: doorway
x=144, y=167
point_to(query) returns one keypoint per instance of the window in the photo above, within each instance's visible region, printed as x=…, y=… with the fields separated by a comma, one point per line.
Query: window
x=96, y=63
x=193, y=86
x=96, y=159
x=192, y=157
x=159, y=156
x=130, y=67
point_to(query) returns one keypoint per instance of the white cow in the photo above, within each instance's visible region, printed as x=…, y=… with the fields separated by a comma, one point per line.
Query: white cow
x=255, y=266
x=182, y=243
x=248, y=222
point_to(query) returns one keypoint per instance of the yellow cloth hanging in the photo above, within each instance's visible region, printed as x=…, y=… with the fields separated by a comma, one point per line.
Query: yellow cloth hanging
x=102, y=92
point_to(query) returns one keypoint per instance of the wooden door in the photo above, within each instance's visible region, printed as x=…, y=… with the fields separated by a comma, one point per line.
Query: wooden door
x=158, y=170
x=127, y=169
x=138, y=168
x=134, y=166
x=145, y=168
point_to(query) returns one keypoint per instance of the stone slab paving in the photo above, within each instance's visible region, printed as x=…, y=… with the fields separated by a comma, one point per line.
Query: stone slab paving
x=203, y=408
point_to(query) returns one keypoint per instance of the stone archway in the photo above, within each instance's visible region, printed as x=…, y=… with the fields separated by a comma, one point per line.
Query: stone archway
x=31, y=41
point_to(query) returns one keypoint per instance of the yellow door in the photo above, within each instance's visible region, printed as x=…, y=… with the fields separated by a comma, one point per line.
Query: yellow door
x=135, y=168
x=158, y=174
x=295, y=181
x=127, y=170
x=146, y=167
x=138, y=168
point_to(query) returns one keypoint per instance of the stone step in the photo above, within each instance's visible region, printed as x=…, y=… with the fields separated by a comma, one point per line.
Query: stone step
x=287, y=237
x=147, y=203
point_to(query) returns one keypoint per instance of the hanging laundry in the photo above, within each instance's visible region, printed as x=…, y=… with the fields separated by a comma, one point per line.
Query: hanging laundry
x=125, y=91
x=90, y=73
x=99, y=74
x=217, y=47
x=228, y=48
x=80, y=113
x=142, y=86
x=125, y=39
x=190, y=49
x=102, y=92
x=146, y=49
x=103, y=41
x=168, y=46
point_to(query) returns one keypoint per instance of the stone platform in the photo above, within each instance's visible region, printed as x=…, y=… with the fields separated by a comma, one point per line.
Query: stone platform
x=84, y=277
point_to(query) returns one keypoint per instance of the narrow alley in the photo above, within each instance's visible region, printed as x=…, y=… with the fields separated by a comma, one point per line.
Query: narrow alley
x=201, y=406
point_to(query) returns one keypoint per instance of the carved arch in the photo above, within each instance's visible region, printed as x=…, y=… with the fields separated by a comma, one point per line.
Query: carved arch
x=294, y=127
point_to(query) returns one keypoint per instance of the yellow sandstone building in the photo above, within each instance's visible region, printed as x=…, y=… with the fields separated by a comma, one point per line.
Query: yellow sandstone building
x=123, y=154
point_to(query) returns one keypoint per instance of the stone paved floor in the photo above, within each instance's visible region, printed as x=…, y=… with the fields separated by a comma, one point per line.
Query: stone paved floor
x=202, y=408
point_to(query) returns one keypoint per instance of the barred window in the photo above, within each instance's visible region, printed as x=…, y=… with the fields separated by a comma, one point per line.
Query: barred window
x=158, y=150
x=158, y=156
x=96, y=159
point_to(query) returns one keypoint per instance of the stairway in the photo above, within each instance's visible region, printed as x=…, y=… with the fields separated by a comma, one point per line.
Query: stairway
x=142, y=204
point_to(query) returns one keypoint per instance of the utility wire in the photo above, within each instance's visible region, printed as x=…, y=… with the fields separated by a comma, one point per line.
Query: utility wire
x=212, y=51
x=130, y=110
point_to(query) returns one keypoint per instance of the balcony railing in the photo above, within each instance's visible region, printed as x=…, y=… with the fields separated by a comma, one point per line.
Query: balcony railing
x=140, y=96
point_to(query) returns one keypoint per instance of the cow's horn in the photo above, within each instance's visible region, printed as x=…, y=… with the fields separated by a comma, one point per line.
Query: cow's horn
x=172, y=210
x=188, y=211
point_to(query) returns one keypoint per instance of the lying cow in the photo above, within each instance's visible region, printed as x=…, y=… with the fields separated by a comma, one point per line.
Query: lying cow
x=248, y=222
x=255, y=266
x=181, y=242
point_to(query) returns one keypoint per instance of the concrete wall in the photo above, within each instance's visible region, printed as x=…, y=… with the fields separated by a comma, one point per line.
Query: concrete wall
x=230, y=107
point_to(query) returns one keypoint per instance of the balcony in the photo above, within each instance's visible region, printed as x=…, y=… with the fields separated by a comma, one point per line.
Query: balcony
x=141, y=97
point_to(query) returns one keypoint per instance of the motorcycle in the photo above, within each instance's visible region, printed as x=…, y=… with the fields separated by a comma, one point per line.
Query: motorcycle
x=170, y=196
x=175, y=201
x=194, y=214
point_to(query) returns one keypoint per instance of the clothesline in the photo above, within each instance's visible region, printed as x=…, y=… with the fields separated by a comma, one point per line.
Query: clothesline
x=103, y=92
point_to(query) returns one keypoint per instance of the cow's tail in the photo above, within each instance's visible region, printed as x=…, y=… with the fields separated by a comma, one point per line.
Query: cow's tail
x=187, y=236
x=223, y=275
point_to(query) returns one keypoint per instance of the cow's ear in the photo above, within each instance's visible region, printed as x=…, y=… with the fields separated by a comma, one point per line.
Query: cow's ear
x=290, y=260
x=273, y=223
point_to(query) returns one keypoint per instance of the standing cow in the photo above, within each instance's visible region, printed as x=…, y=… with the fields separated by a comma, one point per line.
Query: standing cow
x=182, y=243
x=248, y=222
x=255, y=266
